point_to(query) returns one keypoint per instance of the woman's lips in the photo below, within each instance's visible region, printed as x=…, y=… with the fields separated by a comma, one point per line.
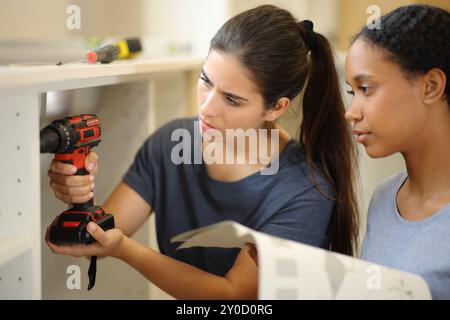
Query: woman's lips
x=205, y=126
x=361, y=136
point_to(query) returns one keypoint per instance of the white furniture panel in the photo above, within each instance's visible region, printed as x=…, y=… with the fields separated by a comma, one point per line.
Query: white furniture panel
x=132, y=98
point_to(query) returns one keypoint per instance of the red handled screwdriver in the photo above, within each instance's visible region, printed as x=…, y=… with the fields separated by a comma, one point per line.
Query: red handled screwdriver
x=123, y=49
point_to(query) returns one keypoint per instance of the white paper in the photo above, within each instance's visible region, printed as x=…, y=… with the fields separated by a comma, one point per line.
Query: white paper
x=291, y=270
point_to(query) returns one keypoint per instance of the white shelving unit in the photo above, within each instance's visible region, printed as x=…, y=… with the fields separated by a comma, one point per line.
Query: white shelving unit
x=130, y=98
x=12, y=247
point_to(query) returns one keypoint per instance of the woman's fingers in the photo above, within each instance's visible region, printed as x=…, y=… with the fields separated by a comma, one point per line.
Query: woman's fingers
x=62, y=168
x=91, y=163
x=71, y=181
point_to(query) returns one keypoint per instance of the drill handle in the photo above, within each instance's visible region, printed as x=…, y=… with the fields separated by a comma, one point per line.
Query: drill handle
x=90, y=203
x=83, y=207
x=76, y=158
x=81, y=172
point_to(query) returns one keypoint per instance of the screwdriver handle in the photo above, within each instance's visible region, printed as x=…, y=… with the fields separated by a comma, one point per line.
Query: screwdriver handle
x=105, y=54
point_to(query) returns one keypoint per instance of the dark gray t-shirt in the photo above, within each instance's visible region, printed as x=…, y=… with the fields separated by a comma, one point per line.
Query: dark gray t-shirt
x=184, y=197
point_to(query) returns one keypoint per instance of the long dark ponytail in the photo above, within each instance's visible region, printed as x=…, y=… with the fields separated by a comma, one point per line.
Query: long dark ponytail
x=325, y=135
x=282, y=55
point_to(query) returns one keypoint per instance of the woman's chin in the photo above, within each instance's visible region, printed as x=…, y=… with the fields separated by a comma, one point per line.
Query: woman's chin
x=377, y=153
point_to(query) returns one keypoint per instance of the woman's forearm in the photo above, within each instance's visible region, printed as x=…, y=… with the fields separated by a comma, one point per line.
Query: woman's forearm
x=179, y=279
x=129, y=209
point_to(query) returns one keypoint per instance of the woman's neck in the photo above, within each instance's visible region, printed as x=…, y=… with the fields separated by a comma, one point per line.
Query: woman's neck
x=236, y=170
x=428, y=165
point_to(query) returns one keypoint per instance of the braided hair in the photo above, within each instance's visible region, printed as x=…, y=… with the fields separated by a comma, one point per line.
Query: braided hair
x=416, y=37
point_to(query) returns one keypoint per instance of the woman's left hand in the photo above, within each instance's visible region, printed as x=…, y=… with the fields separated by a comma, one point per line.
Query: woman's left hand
x=108, y=243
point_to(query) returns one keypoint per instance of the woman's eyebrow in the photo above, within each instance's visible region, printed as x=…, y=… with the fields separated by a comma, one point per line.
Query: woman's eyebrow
x=232, y=95
x=362, y=77
x=229, y=94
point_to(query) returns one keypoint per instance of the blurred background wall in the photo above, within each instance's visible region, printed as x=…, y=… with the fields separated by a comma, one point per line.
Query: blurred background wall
x=188, y=23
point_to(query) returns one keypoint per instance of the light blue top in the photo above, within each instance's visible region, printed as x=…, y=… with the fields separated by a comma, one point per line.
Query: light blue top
x=420, y=247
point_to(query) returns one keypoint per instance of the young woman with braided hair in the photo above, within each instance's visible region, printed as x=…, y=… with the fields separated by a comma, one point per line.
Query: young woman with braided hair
x=400, y=79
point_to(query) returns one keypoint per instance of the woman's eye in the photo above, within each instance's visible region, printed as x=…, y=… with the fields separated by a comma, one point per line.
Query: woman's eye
x=363, y=89
x=232, y=102
x=205, y=81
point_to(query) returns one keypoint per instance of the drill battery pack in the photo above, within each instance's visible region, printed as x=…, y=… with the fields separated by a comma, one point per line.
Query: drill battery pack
x=70, y=226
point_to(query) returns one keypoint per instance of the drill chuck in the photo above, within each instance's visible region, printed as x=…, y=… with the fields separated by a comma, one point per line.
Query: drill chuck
x=50, y=140
x=69, y=134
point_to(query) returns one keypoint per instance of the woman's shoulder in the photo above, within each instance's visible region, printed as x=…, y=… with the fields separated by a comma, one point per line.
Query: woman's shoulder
x=293, y=156
x=383, y=198
x=390, y=185
x=295, y=170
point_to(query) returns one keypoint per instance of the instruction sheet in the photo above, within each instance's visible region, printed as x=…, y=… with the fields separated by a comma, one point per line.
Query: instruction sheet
x=290, y=270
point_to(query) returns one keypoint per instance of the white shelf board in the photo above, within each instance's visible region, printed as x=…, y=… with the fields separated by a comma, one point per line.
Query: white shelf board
x=12, y=247
x=52, y=77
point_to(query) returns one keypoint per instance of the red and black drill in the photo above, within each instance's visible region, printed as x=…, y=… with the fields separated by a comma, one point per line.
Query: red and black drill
x=71, y=139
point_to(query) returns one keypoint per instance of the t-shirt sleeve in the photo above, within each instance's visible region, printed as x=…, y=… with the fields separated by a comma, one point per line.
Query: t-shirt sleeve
x=141, y=174
x=304, y=219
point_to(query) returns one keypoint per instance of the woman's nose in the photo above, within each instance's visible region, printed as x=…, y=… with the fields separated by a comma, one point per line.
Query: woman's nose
x=210, y=105
x=353, y=113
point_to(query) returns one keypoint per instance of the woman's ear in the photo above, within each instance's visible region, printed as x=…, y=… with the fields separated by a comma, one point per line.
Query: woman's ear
x=435, y=82
x=278, y=110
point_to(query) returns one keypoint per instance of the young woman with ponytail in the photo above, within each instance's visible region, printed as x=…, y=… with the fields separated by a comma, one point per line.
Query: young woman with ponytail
x=258, y=62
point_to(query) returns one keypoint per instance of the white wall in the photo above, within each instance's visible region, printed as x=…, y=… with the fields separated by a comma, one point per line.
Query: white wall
x=45, y=20
x=324, y=13
x=299, y=8
x=179, y=22
x=35, y=31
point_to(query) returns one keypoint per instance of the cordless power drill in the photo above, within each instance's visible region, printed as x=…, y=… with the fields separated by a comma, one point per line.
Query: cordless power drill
x=71, y=139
